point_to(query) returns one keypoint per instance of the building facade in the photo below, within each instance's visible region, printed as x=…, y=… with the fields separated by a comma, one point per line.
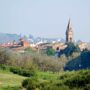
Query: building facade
x=69, y=32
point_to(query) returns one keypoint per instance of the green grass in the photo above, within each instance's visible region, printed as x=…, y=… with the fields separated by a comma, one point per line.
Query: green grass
x=48, y=75
x=10, y=81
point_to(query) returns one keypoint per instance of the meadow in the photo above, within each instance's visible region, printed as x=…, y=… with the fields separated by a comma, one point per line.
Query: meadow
x=10, y=81
x=69, y=80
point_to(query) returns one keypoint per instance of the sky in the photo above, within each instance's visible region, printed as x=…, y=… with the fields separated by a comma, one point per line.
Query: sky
x=45, y=18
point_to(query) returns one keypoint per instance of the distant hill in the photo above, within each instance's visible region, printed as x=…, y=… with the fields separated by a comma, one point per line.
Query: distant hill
x=5, y=37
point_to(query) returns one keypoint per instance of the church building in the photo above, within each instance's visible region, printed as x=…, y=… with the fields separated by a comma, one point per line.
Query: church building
x=69, y=32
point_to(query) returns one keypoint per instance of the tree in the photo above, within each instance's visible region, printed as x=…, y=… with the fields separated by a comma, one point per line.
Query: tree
x=50, y=51
x=70, y=49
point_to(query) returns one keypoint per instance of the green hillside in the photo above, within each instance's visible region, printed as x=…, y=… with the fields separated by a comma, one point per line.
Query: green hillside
x=10, y=81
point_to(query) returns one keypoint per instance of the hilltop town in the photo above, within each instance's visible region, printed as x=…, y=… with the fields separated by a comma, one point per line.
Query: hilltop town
x=44, y=43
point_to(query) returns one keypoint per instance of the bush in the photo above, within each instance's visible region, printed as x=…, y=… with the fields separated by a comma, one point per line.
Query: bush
x=4, y=55
x=23, y=72
x=31, y=60
x=50, y=52
x=79, y=79
x=37, y=84
x=4, y=67
x=30, y=83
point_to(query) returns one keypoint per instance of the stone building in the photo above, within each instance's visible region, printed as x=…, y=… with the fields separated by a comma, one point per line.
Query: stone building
x=69, y=32
x=70, y=36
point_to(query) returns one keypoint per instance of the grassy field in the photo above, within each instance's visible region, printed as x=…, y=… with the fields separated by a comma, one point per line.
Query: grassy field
x=50, y=80
x=10, y=81
x=48, y=75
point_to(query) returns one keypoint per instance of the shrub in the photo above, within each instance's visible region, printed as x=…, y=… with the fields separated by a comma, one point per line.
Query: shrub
x=4, y=55
x=4, y=67
x=30, y=83
x=50, y=52
x=87, y=87
x=23, y=72
x=80, y=79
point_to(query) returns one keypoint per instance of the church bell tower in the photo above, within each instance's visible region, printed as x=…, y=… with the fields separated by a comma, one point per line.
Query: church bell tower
x=69, y=32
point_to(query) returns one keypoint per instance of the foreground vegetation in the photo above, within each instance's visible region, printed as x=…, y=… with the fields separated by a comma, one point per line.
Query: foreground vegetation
x=75, y=80
x=10, y=81
x=36, y=71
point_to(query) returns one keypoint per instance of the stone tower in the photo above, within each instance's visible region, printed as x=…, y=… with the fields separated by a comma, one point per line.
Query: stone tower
x=69, y=32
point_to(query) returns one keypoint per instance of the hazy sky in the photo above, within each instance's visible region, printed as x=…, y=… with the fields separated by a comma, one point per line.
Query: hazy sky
x=45, y=18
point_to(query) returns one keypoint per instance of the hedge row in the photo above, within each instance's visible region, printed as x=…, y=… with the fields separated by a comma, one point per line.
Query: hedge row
x=18, y=70
x=23, y=72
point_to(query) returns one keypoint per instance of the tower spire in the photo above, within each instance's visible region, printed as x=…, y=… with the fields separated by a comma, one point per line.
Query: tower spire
x=69, y=25
x=69, y=32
